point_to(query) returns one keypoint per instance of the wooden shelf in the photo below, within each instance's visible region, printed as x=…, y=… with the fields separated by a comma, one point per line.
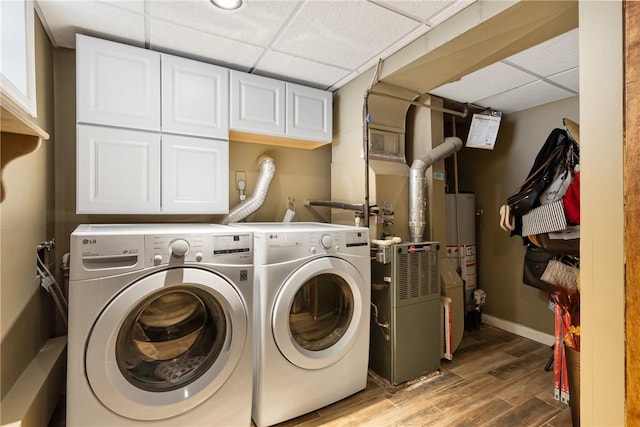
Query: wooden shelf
x=14, y=120
x=19, y=134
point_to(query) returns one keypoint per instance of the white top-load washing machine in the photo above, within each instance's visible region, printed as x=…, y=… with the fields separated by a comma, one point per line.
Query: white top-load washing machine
x=160, y=319
x=311, y=317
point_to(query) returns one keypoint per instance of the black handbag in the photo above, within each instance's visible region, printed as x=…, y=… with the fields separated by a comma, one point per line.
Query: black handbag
x=535, y=262
x=522, y=202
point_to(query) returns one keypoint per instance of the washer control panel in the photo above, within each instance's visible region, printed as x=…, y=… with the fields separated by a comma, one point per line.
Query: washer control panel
x=100, y=250
x=205, y=248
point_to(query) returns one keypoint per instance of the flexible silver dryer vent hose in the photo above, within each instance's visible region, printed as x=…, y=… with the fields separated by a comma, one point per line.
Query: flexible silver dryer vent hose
x=253, y=203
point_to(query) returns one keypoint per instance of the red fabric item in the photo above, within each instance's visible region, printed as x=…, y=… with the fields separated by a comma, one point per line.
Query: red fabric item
x=571, y=200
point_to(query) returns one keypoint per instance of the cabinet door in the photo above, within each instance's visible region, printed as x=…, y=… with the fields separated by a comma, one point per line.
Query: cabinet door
x=257, y=104
x=117, y=84
x=118, y=171
x=195, y=175
x=309, y=113
x=195, y=98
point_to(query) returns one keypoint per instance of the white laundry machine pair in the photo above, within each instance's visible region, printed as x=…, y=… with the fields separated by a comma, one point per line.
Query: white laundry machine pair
x=311, y=316
x=160, y=326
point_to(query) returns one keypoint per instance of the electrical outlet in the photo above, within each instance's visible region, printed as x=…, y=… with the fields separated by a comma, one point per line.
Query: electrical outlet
x=240, y=176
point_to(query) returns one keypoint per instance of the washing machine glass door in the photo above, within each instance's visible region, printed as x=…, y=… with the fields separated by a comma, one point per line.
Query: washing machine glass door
x=317, y=314
x=166, y=343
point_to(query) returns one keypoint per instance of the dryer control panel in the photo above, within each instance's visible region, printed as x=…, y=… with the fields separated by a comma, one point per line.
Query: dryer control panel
x=287, y=245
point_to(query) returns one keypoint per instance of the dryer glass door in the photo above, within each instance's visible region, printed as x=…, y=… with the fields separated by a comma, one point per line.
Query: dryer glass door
x=321, y=312
x=318, y=313
x=166, y=343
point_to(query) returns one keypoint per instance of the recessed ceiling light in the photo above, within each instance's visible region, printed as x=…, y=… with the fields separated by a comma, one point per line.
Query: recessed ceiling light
x=227, y=4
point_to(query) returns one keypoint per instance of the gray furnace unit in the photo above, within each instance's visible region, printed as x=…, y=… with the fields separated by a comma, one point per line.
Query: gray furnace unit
x=405, y=324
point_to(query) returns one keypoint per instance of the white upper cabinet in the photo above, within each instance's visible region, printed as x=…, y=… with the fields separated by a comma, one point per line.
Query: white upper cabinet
x=276, y=109
x=309, y=113
x=117, y=84
x=194, y=98
x=191, y=171
x=118, y=170
x=257, y=104
x=152, y=132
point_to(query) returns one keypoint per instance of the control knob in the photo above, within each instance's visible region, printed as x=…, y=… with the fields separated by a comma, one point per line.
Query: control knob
x=326, y=241
x=179, y=248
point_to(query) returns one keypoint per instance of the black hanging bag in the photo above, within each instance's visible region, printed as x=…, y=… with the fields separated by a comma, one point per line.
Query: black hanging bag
x=550, y=158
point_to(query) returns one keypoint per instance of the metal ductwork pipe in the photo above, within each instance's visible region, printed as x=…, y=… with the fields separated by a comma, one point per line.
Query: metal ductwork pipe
x=337, y=205
x=249, y=206
x=418, y=185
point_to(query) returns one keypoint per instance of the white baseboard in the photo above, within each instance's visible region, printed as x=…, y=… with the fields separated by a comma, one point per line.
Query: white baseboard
x=518, y=329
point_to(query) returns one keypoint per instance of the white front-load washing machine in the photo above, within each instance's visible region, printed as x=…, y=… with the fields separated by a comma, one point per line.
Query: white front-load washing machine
x=160, y=326
x=311, y=316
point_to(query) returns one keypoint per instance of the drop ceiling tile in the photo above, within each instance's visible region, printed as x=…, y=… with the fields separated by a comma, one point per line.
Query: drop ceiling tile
x=569, y=79
x=523, y=97
x=203, y=46
x=347, y=79
x=551, y=57
x=65, y=18
x=448, y=12
x=342, y=33
x=428, y=12
x=300, y=70
x=136, y=6
x=255, y=22
x=399, y=44
x=495, y=78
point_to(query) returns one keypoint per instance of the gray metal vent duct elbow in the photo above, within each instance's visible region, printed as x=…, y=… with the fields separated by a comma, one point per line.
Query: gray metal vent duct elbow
x=418, y=185
x=253, y=203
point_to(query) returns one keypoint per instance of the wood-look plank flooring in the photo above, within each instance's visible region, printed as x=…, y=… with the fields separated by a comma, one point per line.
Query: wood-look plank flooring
x=496, y=379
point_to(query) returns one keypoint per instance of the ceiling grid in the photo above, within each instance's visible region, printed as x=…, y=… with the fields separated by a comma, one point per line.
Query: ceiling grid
x=319, y=43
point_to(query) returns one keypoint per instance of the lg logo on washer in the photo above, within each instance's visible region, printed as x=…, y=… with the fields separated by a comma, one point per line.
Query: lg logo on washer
x=102, y=247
